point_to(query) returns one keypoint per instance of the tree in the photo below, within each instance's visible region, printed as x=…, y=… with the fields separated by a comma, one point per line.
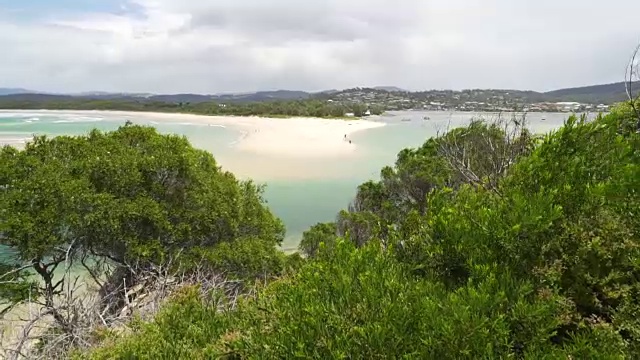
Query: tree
x=479, y=154
x=132, y=198
x=320, y=234
x=309, y=107
x=563, y=218
x=358, y=109
x=376, y=109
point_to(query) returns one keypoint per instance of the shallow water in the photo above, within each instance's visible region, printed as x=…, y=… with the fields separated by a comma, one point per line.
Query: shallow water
x=300, y=201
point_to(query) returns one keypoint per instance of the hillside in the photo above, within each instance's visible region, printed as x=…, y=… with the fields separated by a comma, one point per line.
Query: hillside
x=8, y=91
x=605, y=94
x=25, y=95
x=385, y=97
x=264, y=96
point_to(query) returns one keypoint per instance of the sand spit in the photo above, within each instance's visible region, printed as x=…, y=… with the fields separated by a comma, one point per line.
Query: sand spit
x=279, y=137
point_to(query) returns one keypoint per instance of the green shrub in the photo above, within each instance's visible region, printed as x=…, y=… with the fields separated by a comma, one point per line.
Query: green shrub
x=245, y=258
x=321, y=233
x=564, y=218
x=363, y=304
x=542, y=263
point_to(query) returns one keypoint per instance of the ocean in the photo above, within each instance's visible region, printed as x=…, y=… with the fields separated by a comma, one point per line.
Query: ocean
x=300, y=201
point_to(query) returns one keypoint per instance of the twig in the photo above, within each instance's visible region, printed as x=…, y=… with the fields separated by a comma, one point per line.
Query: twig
x=18, y=351
x=629, y=77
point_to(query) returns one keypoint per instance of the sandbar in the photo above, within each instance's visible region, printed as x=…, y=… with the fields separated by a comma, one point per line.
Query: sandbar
x=296, y=137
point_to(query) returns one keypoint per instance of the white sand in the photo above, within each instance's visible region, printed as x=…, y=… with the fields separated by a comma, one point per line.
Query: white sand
x=287, y=137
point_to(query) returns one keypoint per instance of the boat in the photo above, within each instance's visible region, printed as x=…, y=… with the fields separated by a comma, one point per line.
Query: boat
x=426, y=118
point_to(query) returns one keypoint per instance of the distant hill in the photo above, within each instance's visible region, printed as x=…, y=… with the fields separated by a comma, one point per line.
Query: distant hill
x=10, y=91
x=607, y=93
x=181, y=98
x=35, y=97
x=264, y=96
x=596, y=94
x=173, y=98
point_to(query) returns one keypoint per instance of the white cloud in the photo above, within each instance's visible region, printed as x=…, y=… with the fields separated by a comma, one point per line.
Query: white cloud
x=243, y=45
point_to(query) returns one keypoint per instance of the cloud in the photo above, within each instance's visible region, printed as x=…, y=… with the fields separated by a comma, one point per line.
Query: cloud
x=212, y=46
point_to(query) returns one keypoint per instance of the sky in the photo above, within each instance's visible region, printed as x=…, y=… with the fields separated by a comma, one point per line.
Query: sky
x=220, y=46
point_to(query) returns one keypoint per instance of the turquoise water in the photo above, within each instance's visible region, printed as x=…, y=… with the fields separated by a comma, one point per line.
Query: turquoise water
x=299, y=202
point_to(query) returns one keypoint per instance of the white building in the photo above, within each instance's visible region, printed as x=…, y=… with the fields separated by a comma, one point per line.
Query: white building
x=568, y=106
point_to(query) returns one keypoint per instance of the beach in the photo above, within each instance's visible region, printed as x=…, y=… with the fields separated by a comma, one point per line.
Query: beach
x=294, y=137
x=262, y=149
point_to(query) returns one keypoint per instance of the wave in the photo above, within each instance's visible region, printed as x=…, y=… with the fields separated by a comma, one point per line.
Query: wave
x=193, y=124
x=78, y=120
x=187, y=124
x=15, y=115
x=35, y=116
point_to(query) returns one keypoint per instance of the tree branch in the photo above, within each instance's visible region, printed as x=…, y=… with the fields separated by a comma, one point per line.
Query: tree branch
x=629, y=79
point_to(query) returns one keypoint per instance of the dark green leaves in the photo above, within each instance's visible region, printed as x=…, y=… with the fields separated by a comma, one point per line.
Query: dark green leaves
x=130, y=195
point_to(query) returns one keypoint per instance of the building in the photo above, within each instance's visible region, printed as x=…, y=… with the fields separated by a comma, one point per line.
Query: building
x=568, y=106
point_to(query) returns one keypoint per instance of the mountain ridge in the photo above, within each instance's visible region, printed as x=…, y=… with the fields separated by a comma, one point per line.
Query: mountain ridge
x=603, y=93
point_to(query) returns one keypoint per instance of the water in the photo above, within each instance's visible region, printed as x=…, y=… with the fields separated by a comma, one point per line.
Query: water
x=329, y=184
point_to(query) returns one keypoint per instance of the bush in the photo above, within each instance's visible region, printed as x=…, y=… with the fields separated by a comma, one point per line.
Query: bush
x=245, y=259
x=321, y=234
x=562, y=219
x=131, y=201
x=363, y=304
x=539, y=260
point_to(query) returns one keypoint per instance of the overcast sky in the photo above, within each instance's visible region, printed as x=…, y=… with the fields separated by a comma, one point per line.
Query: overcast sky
x=211, y=46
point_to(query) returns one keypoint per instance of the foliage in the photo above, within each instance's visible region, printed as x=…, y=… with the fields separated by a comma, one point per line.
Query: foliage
x=290, y=108
x=180, y=331
x=130, y=194
x=482, y=243
x=16, y=285
x=363, y=304
x=135, y=199
x=321, y=234
x=479, y=154
x=245, y=259
x=564, y=218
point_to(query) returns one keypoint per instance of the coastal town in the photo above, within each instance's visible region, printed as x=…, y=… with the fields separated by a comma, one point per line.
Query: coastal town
x=466, y=100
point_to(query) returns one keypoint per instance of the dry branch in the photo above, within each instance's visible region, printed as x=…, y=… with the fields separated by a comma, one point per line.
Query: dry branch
x=481, y=159
x=633, y=76
x=76, y=314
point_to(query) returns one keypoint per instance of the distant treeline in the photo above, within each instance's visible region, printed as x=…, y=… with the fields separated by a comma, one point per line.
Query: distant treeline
x=311, y=108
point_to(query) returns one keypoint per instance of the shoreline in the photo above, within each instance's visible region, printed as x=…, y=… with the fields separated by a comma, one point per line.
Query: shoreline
x=291, y=137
